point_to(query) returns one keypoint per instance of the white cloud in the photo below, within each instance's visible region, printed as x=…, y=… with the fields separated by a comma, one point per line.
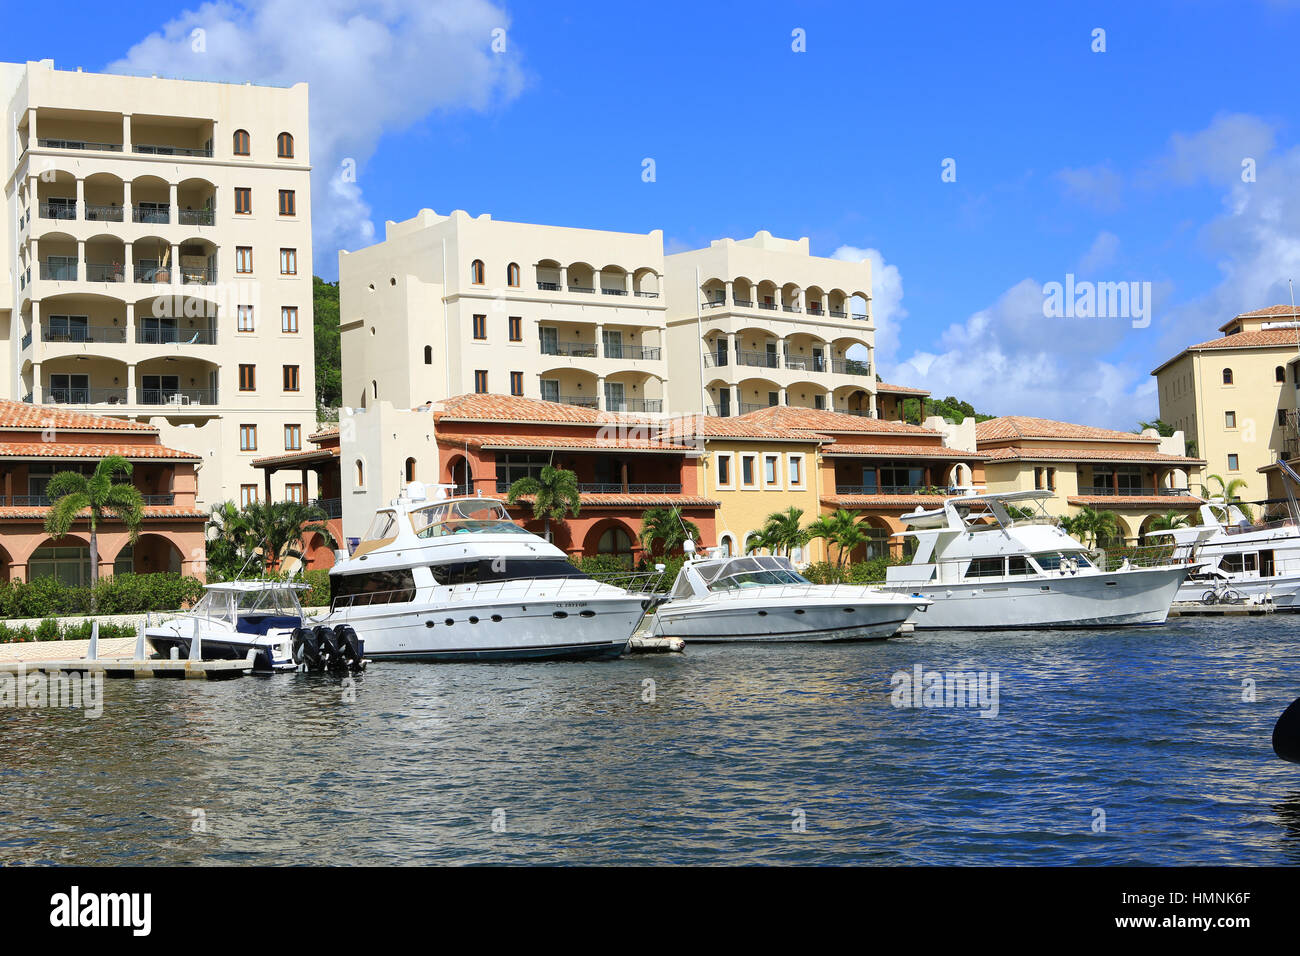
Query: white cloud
x=1100, y=254
x=887, y=310
x=1216, y=152
x=1098, y=187
x=372, y=68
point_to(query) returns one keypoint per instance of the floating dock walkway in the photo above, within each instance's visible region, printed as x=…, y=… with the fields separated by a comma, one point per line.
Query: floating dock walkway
x=138, y=665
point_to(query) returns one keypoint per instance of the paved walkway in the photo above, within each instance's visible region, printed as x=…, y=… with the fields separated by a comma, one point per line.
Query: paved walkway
x=67, y=650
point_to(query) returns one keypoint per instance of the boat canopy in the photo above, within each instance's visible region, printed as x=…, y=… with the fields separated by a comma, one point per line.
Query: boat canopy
x=729, y=574
x=463, y=516
x=231, y=600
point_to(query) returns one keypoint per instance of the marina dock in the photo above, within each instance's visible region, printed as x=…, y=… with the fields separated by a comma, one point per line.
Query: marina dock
x=1222, y=610
x=84, y=657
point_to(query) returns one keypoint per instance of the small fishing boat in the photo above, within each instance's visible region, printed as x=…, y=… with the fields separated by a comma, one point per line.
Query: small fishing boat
x=232, y=619
x=763, y=598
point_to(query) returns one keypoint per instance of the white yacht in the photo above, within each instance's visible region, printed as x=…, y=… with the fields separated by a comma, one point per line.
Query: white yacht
x=984, y=568
x=233, y=618
x=1260, y=562
x=455, y=579
x=763, y=598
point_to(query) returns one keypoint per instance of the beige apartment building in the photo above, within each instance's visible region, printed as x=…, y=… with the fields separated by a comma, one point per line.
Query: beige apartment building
x=1230, y=396
x=759, y=322
x=157, y=239
x=1137, y=476
x=447, y=305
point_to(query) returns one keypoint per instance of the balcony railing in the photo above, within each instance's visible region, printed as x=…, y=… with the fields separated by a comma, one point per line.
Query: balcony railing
x=612, y=488
x=27, y=341
x=82, y=333
x=636, y=405
x=333, y=507
x=838, y=314
x=154, y=214
x=104, y=213
x=191, y=275
x=816, y=310
x=1110, y=491
x=159, y=499
x=850, y=367
x=105, y=272
x=57, y=210
x=759, y=359
x=196, y=217
x=582, y=288
x=647, y=295
x=146, y=149
x=147, y=272
x=549, y=286
x=79, y=144
x=747, y=407
x=571, y=349
x=581, y=401
x=770, y=306
x=888, y=490
x=791, y=308
x=85, y=396
x=165, y=336
x=744, y=303
x=613, y=291
x=31, y=501
x=649, y=353
x=178, y=396
x=59, y=271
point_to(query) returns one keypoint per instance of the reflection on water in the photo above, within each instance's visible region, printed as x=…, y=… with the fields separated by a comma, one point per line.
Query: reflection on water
x=573, y=765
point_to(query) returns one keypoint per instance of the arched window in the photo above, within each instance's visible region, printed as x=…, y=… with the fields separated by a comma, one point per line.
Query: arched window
x=728, y=545
x=284, y=146
x=512, y=275
x=476, y=272
x=410, y=469
x=1279, y=374
x=428, y=355
x=1227, y=376
x=361, y=473
x=242, y=143
x=617, y=542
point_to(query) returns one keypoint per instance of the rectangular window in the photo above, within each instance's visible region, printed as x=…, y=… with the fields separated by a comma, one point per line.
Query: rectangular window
x=245, y=318
x=771, y=476
x=480, y=327
x=480, y=381
x=289, y=318
x=1281, y=416
x=288, y=262
x=288, y=205
x=243, y=259
x=1229, y=419
x=1051, y=480
x=516, y=329
x=516, y=383
x=984, y=568
x=295, y=492
x=724, y=471
x=291, y=378
x=1232, y=463
x=243, y=200
x=1038, y=479
x=747, y=463
x=247, y=378
x=248, y=438
x=796, y=471
x=247, y=495
x=293, y=438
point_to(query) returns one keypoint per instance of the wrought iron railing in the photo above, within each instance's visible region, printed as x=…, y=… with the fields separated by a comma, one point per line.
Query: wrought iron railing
x=79, y=144
x=164, y=336
x=149, y=149
x=178, y=396
x=571, y=349
x=82, y=333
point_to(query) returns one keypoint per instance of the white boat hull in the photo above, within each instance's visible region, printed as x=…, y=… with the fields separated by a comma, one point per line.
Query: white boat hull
x=1284, y=589
x=1122, y=598
x=724, y=618
x=575, y=628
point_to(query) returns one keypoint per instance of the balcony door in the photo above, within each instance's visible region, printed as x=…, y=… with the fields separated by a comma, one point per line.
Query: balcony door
x=159, y=389
x=613, y=343
x=721, y=351
x=69, y=328
x=615, y=397
x=156, y=331
x=69, y=389
x=550, y=389
x=724, y=402
x=819, y=360
x=550, y=340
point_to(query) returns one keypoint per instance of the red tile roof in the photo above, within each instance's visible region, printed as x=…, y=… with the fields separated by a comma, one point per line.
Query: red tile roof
x=692, y=427
x=1136, y=501
x=596, y=442
x=869, y=450
x=511, y=408
x=329, y=431
x=150, y=512
x=1036, y=452
x=52, y=449
x=901, y=389
x=25, y=415
x=1021, y=426
x=1256, y=339
x=294, y=457
x=1282, y=313
x=823, y=420
x=883, y=501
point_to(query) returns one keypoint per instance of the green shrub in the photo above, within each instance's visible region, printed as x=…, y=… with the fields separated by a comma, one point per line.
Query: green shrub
x=599, y=564
x=319, y=595
x=51, y=630
x=119, y=594
x=671, y=567
x=823, y=572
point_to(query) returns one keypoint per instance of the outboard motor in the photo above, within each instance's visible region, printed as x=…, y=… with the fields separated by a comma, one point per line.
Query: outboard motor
x=322, y=648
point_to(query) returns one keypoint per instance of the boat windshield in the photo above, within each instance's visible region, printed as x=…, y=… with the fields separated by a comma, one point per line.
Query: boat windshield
x=1051, y=560
x=755, y=572
x=228, y=604
x=464, y=516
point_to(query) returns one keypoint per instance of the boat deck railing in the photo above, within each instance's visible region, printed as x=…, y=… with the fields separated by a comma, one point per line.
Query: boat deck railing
x=515, y=589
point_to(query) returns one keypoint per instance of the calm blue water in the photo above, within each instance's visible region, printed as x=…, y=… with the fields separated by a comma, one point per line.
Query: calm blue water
x=1148, y=726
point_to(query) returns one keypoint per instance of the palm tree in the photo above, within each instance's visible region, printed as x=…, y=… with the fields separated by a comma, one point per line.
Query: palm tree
x=1168, y=521
x=1228, y=491
x=554, y=492
x=783, y=533
x=100, y=496
x=667, y=526
x=1091, y=526
x=280, y=527
x=760, y=540
x=842, y=529
x=231, y=541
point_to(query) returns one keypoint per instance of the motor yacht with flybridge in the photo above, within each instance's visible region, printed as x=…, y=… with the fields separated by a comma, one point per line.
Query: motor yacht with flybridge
x=763, y=598
x=1000, y=561
x=439, y=577
x=1256, y=562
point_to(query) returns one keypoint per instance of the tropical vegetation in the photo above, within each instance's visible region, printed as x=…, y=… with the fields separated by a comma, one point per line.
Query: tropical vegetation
x=1229, y=493
x=1091, y=526
x=666, y=528
x=554, y=492
x=261, y=536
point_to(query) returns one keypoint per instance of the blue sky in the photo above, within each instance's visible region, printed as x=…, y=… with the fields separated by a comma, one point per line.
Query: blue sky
x=1123, y=165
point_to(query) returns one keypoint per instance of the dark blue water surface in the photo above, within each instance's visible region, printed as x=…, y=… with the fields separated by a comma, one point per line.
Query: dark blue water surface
x=740, y=744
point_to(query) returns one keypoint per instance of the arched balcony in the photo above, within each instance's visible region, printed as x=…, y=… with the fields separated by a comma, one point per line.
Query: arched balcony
x=105, y=197
x=56, y=195
x=177, y=382
x=757, y=393
x=853, y=400
x=176, y=321
x=582, y=277
x=150, y=200
x=196, y=203
x=105, y=259
x=83, y=379
x=612, y=280
x=82, y=320
x=647, y=284
x=634, y=393
x=814, y=299
x=807, y=394
x=58, y=254
x=548, y=276
x=570, y=386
